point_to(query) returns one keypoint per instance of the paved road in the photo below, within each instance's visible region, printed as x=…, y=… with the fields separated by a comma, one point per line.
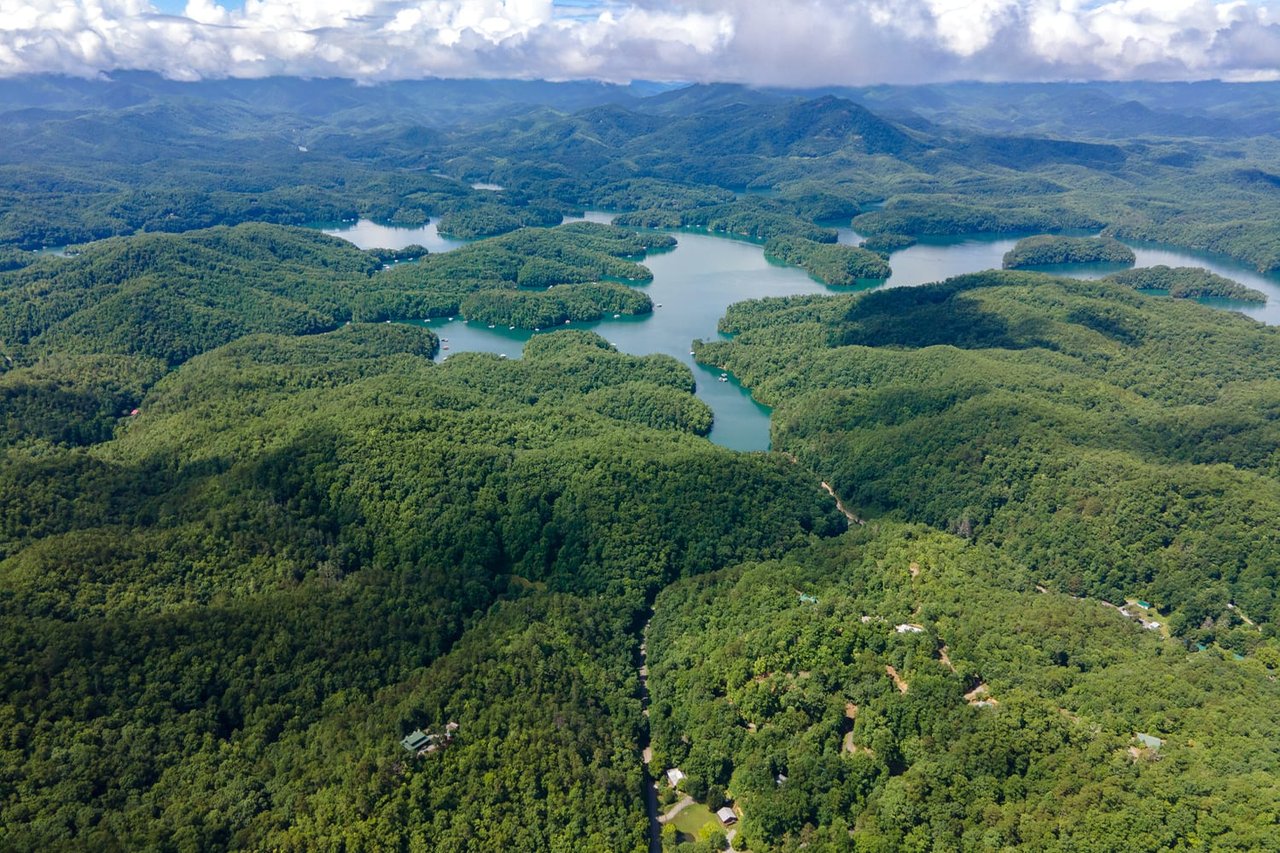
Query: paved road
x=650, y=787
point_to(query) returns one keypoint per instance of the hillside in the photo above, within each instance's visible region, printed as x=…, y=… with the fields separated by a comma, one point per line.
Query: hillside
x=1030, y=412
x=273, y=578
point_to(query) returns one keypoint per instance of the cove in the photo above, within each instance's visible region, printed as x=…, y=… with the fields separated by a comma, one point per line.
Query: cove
x=697, y=281
x=370, y=235
x=936, y=258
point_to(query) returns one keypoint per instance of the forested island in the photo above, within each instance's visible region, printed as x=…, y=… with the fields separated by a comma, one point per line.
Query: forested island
x=888, y=242
x=830, y=264
x=274, y=578
x=1047, y=250
x=568, y=303
x=1187, y=283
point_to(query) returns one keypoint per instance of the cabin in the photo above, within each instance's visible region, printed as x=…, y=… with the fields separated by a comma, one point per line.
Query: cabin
x=805, y=598
x=1149, y=741
x=416, y=740
x=909, y=629
x=674, y=775
x=727, y=817
x=422, y=743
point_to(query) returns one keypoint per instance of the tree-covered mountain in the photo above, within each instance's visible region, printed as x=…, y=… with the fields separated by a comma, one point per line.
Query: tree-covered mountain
x=853, y=697
x=93, y=159
x=292, y=533
x=255, y=543
x=1117, y=445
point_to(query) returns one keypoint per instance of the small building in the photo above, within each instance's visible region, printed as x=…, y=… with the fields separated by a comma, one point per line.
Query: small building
x=805, y=598
x=727, y=817
x=1149, y=741
x=906, y=628
x=422, y=743
x=674, y=775
x=416, y=740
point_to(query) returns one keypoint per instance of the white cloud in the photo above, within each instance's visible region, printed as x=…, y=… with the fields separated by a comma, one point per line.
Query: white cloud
x=800, y=42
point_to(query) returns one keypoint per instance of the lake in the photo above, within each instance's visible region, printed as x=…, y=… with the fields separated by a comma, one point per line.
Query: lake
x=933, y=259
x=700, y=278
x=370, y=235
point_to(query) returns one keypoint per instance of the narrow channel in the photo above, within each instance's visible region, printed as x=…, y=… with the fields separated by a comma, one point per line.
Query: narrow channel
x=697, y=281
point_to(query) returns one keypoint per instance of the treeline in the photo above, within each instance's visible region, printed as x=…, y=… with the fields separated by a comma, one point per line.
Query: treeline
x=904, y=688
x=750, y=217
x=654, y=194
x=485, y=276
x=1048, y=250
x=412, y=252
x=888, y=242
x=219, y=624
x=55, y=199
x=831, y=264
x=84, y=174
x=1119, y=445
x=1187, y=283
x=171, y=297
x=486, y=220
x=578, y=303
x=921, y=217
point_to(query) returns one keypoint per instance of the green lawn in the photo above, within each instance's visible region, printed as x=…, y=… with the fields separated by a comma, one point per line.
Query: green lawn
x=696, y=821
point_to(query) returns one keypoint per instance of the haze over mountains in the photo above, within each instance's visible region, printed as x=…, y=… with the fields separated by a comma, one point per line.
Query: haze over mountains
x=1008, y=577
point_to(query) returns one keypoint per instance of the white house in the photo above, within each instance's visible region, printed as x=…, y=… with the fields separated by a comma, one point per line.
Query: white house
x=727, y=817
x=674, y=775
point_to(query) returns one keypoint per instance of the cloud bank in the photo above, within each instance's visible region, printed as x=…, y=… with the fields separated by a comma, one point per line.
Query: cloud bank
x=763, y=42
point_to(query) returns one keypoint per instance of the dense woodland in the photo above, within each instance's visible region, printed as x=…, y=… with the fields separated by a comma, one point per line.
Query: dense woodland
x=1047, y=250
x=1011, y=726
x=1187, y=283
x=1119, y=445
x=831, y=264
x=252, y=535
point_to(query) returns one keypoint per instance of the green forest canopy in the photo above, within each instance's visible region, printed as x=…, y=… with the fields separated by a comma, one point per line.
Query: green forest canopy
x=249, y=539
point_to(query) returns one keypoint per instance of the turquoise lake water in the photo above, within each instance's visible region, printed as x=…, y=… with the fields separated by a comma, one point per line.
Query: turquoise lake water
x=700, y=278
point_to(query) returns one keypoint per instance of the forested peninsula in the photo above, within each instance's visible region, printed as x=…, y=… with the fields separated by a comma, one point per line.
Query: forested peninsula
x=279, y=572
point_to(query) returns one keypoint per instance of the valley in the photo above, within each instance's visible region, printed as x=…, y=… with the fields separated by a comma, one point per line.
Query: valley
x=347, y=416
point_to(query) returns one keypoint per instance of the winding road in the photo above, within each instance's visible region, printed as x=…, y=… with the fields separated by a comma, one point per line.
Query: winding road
x=840, y=506
x=650, y=787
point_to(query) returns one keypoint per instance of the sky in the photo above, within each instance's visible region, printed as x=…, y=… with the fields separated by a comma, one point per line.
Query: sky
x=760, y=42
